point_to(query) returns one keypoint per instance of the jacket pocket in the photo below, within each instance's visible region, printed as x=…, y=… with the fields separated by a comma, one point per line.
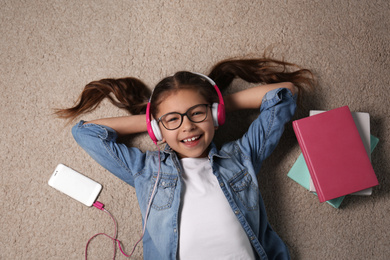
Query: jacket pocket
x=165, y=192
x=245, y=190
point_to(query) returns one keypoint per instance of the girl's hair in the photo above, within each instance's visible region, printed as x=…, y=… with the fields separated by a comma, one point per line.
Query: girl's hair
x=133, y=95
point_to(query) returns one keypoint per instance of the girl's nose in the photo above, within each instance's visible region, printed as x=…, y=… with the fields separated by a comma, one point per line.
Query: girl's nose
x=187, y=125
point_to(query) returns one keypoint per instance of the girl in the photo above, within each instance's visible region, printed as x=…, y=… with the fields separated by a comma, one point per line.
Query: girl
x=206, y=204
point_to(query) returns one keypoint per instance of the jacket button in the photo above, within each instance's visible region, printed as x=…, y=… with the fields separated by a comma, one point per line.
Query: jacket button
x=221, y=184
x=236, y=212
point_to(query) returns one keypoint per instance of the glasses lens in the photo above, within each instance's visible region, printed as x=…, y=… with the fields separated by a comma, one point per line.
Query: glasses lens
x=198, y=113
x=171, y=121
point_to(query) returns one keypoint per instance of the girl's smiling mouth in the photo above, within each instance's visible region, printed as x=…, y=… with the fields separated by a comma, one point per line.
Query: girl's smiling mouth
x=191, y=139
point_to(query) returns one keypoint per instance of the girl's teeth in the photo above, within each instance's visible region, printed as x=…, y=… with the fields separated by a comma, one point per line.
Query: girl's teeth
x=190, y=139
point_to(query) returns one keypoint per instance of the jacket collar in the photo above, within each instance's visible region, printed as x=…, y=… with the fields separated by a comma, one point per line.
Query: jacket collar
x=213, y=152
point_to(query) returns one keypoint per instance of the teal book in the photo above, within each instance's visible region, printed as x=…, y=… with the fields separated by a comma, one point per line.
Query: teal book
x=300, y=173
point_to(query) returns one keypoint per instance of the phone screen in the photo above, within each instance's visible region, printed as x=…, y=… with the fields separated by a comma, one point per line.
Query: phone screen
x=75, y=185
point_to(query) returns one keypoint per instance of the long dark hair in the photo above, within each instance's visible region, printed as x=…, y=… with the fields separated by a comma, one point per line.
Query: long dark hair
x=132, y=94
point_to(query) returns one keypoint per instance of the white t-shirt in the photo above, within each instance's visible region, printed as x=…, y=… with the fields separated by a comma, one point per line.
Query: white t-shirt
x=208, y=227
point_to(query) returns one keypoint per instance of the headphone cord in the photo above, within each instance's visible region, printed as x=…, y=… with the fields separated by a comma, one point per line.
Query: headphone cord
x=114, y=239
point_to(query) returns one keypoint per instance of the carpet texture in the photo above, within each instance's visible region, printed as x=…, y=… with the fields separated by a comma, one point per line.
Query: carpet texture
x=51, y=49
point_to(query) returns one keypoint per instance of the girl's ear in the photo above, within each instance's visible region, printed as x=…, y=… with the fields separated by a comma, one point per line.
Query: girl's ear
x=163, y=140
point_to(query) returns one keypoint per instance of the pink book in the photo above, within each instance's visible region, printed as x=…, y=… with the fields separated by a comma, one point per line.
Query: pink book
x=334, y=153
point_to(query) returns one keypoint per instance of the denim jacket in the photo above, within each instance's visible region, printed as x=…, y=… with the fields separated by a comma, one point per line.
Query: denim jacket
x=235, y=166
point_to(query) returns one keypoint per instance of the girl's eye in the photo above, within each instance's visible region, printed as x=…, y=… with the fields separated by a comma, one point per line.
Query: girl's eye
x=171, y=118
x=197, y=113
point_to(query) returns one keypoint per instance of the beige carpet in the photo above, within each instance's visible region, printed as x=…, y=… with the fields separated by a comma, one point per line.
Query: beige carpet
x=51, y=49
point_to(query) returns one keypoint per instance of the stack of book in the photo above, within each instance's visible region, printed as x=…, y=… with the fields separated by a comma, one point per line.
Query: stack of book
x=336, y=150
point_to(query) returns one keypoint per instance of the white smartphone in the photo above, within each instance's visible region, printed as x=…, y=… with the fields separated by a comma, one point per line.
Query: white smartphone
x=75, y=185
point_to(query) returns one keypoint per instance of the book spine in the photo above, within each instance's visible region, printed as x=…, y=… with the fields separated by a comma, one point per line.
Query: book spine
x=308, y=161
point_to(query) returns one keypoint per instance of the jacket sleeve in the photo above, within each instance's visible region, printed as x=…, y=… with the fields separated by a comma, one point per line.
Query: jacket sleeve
x=100, y=142
x=277, y=108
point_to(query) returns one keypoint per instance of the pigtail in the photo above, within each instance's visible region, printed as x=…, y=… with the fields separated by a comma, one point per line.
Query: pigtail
x=130, y=94
x=262, y=71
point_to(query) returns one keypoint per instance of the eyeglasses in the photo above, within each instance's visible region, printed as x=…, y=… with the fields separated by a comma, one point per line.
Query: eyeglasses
x=195, y=114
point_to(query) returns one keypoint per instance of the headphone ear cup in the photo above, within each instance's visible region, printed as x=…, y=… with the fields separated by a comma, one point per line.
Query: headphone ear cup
x=156, y=130
x=221, y=114
x=218, y=112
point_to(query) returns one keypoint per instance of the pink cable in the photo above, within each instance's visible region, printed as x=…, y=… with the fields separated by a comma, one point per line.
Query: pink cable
x=114, y=239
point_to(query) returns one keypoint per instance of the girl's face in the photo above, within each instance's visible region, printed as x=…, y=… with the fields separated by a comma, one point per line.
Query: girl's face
x=190, y=139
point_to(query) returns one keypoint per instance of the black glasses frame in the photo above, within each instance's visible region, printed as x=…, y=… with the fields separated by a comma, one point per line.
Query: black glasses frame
x=182, y=115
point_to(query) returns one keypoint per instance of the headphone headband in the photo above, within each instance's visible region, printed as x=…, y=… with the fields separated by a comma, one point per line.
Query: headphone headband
x=220, y=98
x=206, y=77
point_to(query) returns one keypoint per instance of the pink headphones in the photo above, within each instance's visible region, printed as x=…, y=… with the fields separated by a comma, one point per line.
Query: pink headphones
x=218, y=112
